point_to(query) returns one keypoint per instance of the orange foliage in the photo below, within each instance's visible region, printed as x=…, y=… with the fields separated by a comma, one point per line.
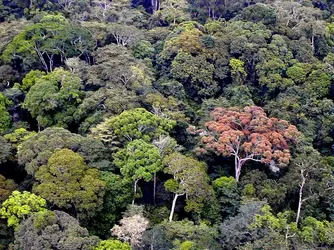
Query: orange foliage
x=249, y=134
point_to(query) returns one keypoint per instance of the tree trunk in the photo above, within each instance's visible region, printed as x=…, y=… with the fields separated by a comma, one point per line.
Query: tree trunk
x=154, y=187
x=155, y=5
x=173, y=207
x=312, y=42
x=300, y=201
x=237, y=167
x=134, y=191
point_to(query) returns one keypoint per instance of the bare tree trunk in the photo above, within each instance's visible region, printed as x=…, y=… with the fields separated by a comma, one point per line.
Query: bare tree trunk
x=237, y=166
x=173, y=207
x=154, y=187
x=134, y=191
x=300, y=201
x=312, y=42
x=40, y=55
x=155, y=5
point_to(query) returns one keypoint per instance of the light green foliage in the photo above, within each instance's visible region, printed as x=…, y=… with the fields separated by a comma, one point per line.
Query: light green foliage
x=298, y=72
x=31, y=79
x=112, y=245
x=138, y=160
x=67, y=183
x=312, y=231
x=54, y=98
x=5, y=118
x=18, y=136
x=237, y=70
x=19, y=206
x=139, y=124
x=167, y=107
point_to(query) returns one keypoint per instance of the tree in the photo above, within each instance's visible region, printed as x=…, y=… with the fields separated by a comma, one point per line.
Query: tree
x=248, y=135
x=189, y=179
x=5, y=150
x=175, y=234
x=235, y=231
x=19, y=206
x=131, y=229
x=173, y=12
x=118, y=194
x=139, y=124
x=36, y=150
x=67, y=183
x=315, y=182
x=228, y=195
x=138, y=160
x=116, y=66
x=195, y=73
x=54, y=37
x=53, y=99
x=311, y=234
x=5, y=118
x=112, y=245
x=237, y=71
x=125, y=35
x=7, y=186
x=53, y=230
x=31, y=79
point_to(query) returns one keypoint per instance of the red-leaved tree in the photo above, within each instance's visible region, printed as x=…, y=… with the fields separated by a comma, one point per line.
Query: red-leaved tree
x=247, y=134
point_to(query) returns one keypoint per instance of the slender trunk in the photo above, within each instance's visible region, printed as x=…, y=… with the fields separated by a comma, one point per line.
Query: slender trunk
x=237, y=166
x=312, y=42
x=173, y=207
x=41, y=58
x=300, y=201
x=134, y=191
x=154, y=187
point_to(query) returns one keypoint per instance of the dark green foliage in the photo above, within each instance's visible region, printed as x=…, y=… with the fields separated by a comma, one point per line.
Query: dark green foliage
x=53, y=98
x=100, y=102
x=36, y=151
x=5, y=150
x=118, y=194
x=53, y=230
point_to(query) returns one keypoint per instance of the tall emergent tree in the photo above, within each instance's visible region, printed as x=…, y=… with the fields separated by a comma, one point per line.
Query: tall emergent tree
x=248, y=134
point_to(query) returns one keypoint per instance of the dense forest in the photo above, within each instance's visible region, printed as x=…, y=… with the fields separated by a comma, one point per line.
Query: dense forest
x=166, y=124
